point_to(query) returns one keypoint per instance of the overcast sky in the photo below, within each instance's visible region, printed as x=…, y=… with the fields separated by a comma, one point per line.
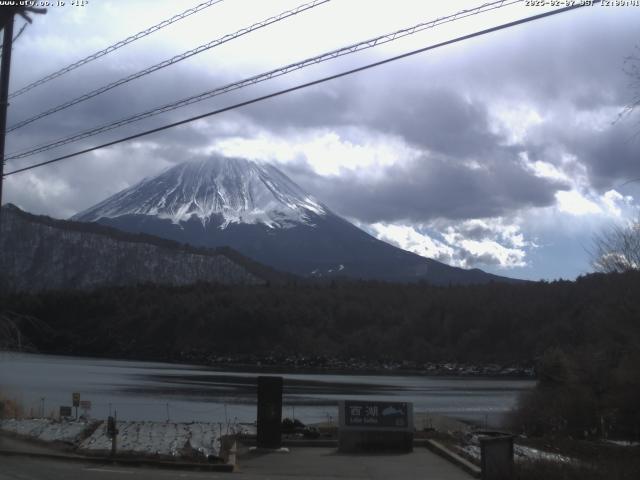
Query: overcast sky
x=504, y=152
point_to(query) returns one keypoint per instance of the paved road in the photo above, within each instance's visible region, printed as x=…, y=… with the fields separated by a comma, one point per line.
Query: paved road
x=14, y=444
x=325, y=463
x=23, y=468
x=308, y=463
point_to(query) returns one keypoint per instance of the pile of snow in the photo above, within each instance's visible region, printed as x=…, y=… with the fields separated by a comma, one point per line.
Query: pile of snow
x=527, y=453
x=623, y=443
x=159, y=438
x=48, y=430
x=192, y=440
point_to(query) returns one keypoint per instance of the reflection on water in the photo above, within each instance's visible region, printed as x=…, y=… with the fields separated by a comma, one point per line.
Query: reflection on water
x=161, y=391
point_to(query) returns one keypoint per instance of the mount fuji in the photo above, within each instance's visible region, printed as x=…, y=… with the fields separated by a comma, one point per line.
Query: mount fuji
x=259, y=211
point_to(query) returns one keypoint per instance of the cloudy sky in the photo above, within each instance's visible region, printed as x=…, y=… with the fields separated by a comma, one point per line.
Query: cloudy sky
x=505, y=152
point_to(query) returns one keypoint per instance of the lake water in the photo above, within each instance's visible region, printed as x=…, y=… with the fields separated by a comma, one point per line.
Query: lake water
x=161, y=391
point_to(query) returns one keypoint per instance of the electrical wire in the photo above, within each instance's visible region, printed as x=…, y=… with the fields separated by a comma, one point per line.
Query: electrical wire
x=170, y=61
x=309, y=84
x=17, y=35
x=363, y=45
x=116, y=46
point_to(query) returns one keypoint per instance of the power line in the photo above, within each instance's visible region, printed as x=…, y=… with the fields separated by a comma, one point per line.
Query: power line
x=20, y=31
x=307, y=84
x=370, y=43
x=171, y=61
x=366, y=44
x=116, y=46
x=17, y=34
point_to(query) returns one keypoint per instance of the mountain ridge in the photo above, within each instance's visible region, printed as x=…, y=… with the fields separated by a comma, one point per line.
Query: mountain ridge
x=40, y=252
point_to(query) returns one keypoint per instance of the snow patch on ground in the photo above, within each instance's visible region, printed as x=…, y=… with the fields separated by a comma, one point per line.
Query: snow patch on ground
x=527, y=453
x=196, y=439
x=48, y=430
x=623, y=443
x=159, y=438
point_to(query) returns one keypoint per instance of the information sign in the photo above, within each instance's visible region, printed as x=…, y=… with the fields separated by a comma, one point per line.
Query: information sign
x=376, y=415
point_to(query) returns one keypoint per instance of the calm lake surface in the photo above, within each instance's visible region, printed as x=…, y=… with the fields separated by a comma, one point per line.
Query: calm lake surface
x=161, y=391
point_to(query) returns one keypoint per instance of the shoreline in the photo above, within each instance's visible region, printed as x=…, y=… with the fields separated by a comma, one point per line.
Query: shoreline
x=513, y=371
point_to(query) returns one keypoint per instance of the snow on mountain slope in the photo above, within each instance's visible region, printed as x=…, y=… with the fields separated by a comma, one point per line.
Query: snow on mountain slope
x=238, y=190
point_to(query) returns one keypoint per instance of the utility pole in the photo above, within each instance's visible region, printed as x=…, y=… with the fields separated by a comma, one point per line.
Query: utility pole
x=7, y=15
x=5, y=68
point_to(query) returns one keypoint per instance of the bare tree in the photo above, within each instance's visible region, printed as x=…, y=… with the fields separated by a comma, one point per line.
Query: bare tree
x=617, y=249
x=632, y=70
x=12, y=327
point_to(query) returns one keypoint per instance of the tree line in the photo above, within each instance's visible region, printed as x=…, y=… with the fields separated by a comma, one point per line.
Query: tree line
x=484, y=323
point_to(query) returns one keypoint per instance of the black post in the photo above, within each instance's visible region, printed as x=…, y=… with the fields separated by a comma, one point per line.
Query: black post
x=269, y=412
x=5, y=68
x=112, y=431
x=496, y=457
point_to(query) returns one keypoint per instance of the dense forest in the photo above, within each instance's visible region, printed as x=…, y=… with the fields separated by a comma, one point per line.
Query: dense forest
x=497, y=322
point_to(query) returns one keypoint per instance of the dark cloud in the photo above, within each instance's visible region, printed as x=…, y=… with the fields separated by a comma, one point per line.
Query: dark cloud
x=606, y=150
x=328, y=105
x=129, y=99
x=575, y=59
x=161, y=88
x=431, y=187
x=611, y=157
x=437, y=119
x=476, y=232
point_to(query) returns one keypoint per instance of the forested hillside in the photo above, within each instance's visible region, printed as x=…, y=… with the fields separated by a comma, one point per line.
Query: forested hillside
x=41, y=253
x=370, y=320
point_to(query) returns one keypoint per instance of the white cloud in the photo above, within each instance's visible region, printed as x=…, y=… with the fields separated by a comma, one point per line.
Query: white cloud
x=574, y=203
x=514, y=120
x=477, y=242
x=610, y=204
x=33, y=188
x=326, y=151
x=615, y=202
x=494, y=241
x=544, y=169
x=408, y=238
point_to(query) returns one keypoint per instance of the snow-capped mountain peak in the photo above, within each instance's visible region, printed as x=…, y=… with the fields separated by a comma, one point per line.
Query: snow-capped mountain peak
x=237, y=190
x=257, y=210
